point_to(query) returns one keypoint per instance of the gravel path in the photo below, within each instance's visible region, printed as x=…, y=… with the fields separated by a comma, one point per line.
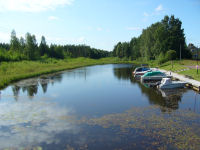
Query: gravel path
x=191, y=67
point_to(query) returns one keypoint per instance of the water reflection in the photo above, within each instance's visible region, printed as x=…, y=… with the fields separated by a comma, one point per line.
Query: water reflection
x=16, y=90
x=26, y=123
x=99, y=107
x=44, y=86
x=197, y=103
x=168, y=100
x=30, y=86
x=123, y=73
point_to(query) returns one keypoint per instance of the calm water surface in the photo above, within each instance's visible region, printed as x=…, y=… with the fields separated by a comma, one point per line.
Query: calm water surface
x=97, y=108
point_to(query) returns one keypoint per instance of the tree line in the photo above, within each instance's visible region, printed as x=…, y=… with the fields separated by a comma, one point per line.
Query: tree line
x=155, y=41
x=28, y=49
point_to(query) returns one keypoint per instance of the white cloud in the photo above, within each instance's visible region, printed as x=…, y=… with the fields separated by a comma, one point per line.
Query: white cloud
x=157, y=11
x=159, y=8
x=53, y=18
x=65, y=40
x=134, y=28
x=80, y=39
x=32, y=5
x=31, y=122
x=99, y=29
x=4, y=37
x=146, y=14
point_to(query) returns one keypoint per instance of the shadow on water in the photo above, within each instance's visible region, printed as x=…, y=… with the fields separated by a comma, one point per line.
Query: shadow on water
x=123, y=73
x=168, y=100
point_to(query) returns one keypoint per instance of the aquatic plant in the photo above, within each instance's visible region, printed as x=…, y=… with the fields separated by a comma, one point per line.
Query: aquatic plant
x=178, y=130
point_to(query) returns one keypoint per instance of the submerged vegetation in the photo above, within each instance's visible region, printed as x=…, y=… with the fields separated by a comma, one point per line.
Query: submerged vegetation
x=168, y=131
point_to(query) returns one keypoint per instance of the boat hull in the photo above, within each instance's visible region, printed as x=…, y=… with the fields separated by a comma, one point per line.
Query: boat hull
x=154, y=78
x=173, y=85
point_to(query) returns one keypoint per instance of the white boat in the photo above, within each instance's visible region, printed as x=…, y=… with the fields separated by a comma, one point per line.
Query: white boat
x=139, y=71
x=167, y=83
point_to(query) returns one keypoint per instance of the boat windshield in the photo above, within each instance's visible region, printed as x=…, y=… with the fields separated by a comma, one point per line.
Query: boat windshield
x=145, y=69
x=141, y=69
x=166, y=81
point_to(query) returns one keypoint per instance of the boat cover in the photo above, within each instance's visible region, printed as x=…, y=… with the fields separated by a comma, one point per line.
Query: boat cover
x=152, y=73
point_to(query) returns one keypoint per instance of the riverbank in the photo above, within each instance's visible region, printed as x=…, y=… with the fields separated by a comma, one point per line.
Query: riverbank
x=13, y=71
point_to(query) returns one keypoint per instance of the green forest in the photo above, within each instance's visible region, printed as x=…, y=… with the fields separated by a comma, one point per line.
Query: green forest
x=153, y=44
x=28, y=49
x=155, y=41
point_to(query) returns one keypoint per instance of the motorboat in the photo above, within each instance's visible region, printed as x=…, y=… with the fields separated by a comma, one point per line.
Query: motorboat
x=139, y=71
x=167, y=83
x=154, y=76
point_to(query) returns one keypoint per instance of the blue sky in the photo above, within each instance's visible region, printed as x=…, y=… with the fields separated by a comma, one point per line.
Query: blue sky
x=98, y=23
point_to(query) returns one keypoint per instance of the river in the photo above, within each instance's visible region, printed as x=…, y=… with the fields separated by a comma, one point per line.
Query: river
x=97, y=108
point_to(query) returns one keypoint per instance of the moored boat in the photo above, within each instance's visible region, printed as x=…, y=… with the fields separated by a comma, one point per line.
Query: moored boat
x=154, y=76
x=139, y=71
x=167, y=83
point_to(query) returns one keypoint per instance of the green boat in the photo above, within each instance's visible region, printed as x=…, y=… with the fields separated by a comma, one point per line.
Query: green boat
x=154, y=76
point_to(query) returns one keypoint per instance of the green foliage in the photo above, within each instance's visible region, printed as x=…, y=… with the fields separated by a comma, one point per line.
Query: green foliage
x=28, y=49
x=162, y=58
x=171, y=55
x=31, y=48
x=6, y=55
x=134, y=48
x=43, y=48
x=156, y=40
x=14, y=42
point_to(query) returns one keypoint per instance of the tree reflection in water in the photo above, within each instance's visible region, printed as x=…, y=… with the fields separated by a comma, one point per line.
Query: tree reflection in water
x=16, y=90
x=167, y=100
x=30, y=86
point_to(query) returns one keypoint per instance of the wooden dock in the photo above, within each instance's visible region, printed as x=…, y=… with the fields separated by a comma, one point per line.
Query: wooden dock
x=190, y=82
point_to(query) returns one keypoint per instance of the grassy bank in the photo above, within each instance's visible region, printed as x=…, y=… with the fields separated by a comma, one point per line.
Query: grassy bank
x=14, y=71
x=184, y=67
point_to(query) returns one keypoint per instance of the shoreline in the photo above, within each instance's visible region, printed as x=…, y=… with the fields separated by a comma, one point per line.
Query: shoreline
x=8, y=78
x=30, y=69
